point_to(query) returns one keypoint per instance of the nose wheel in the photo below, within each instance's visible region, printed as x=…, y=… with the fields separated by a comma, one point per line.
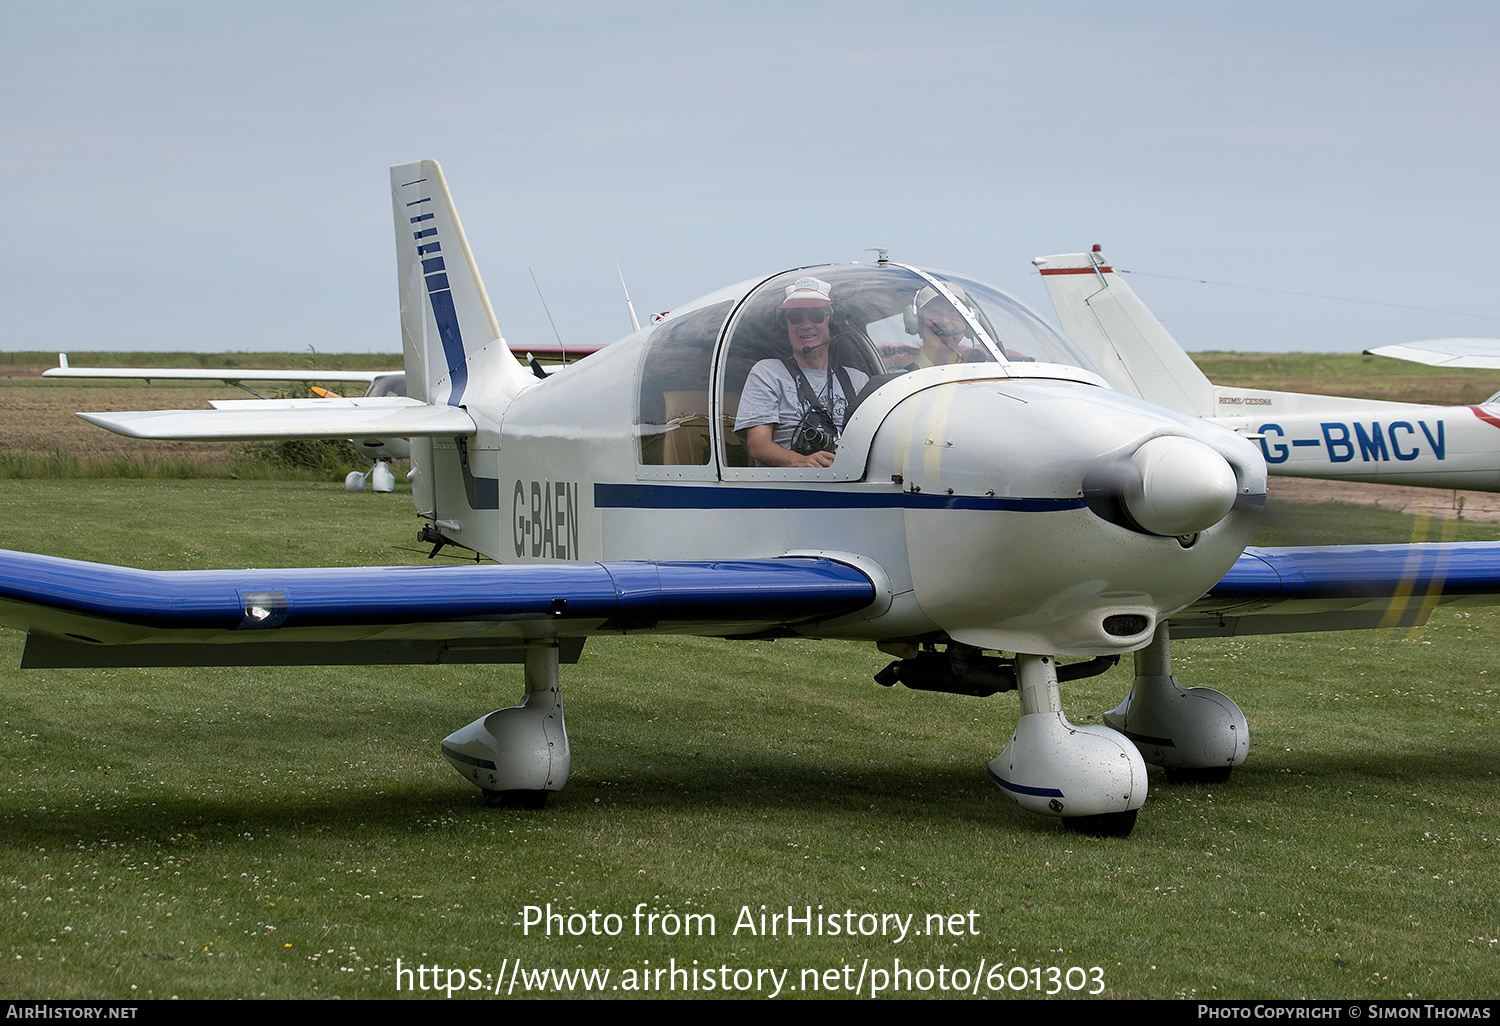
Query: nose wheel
x=515, y=799
x=1109, y=824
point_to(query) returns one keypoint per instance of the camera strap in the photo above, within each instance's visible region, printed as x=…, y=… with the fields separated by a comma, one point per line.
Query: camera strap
x=805, y=390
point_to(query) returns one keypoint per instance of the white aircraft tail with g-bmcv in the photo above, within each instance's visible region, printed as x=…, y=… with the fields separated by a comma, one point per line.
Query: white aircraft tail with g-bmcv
x=874, y=452
x=1300, y=435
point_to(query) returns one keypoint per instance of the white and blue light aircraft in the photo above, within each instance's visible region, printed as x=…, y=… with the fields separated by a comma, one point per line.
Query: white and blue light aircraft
x=1300, y=435
x=993, y=516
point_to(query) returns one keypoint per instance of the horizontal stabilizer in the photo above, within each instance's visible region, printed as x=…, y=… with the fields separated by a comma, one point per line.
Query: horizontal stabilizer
x=337, y=418
x=559, y=351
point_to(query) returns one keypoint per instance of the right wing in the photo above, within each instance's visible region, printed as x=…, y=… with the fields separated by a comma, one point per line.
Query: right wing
x=77, y=613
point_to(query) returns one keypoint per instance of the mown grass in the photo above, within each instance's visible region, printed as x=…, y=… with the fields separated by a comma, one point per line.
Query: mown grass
x=40, y=438
x=271, y=461
x=293, y=832
x=1350, y=374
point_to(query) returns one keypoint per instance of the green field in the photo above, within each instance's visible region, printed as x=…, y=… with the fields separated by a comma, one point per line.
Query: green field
x=1351, y=374
x=295, y=832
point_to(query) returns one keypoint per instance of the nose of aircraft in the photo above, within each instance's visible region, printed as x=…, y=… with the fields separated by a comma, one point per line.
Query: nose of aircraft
x=1178, y=486
x=1051, y=516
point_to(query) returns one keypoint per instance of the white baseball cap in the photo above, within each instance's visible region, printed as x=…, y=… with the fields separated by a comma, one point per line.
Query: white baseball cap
x=807, y=292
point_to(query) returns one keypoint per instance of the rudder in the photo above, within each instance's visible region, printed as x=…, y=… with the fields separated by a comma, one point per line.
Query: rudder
x=446, y=317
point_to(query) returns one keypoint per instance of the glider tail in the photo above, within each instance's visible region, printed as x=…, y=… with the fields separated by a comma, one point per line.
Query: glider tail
x=449, y=333
x=1131, y=348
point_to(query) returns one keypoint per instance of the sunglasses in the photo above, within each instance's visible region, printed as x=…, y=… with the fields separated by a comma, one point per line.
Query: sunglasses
x=946, y=329
x=817, y=315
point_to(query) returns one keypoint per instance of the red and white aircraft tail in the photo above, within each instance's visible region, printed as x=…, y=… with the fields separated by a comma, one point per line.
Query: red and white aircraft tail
x=1132, y=350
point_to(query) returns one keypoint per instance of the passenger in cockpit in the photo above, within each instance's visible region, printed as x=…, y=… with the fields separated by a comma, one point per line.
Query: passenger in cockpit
x=942, y=329
x=793, y=409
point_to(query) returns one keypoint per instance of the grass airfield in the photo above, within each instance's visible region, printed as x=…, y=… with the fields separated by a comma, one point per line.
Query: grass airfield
x=294, y=832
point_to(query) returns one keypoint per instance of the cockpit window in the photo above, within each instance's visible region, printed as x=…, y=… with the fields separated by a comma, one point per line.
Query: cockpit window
x=807, y=346
x=799, y=354
x=673, y=418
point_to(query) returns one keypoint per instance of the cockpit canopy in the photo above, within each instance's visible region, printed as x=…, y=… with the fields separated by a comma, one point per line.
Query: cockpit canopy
x=884, y=320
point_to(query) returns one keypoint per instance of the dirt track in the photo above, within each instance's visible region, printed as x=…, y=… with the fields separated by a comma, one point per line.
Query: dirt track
x=1483, y=507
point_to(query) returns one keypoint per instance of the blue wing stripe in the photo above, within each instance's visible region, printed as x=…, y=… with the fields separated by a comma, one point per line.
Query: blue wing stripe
x=760, y=591
x=1342, y=571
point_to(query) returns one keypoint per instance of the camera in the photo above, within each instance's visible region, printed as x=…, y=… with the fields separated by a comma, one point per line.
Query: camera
x=814, y=433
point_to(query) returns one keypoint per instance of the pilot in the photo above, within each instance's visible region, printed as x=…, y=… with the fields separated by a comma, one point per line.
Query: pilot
x=792, y=410
x=943, y=330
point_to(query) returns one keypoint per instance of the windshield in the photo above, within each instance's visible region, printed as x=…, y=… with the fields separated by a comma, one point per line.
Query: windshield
x=1020, y=334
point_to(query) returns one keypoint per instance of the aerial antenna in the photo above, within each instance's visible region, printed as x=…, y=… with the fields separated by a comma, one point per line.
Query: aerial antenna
x=635, y=325
x=549, y=316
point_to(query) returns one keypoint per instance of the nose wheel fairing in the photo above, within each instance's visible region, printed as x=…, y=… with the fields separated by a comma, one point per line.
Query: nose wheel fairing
x=1090, y=775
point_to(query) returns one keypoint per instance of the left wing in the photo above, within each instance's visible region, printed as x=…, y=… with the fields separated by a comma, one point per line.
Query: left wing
x=1342, y=587
x=91, y=614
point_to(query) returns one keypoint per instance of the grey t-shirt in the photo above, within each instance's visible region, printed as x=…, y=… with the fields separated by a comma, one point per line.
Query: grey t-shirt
x=771, y=397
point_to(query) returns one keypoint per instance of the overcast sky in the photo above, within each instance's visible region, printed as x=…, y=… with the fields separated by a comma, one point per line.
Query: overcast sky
x=213, y=175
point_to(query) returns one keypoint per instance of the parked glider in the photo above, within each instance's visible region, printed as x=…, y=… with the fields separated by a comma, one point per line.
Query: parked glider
x=988, y=494
x=229, y=375
x=1453, y=353
x=1299, y=435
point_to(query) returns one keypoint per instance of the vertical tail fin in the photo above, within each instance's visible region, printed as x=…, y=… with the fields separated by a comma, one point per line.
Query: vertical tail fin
x=1132, y=350
x=448, y=328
